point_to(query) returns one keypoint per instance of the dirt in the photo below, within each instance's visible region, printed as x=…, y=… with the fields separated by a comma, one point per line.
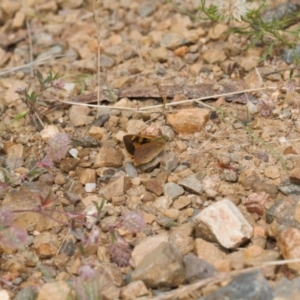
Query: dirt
x=231, y=125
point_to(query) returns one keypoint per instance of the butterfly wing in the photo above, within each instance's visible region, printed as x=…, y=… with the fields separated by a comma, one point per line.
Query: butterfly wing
x=146, y=152
x=128, y=141
x=132, y=141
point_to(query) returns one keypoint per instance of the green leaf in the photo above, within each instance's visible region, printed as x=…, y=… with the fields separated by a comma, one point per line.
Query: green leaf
x=40, y=77
x=21, y=115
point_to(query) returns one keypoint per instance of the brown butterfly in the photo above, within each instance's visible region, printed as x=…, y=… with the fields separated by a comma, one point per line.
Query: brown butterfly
x=144, y=148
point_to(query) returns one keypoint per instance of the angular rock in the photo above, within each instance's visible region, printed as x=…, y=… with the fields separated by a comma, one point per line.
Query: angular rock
x=295, y=176
x=116, y=187
x=183, y=242
x=154, y=186
x=28, y=198
x=110, y=273
x=172, y=190
x=145, y=247
x=272, y=172
x=208, y=251
x=173, y=40
x=134, y=290
x=68, y=164
x=283, y=214
x=191, y=184
x=249, y=63
x=289, y=245
x=87, y=176
x=213, y=56
x=210, y=186
x=169, y=162
x=226, y=223
x=79, y=115
x=182, y=202
x=107, y=157
x=162, y=267
x=96, y=132
x=248, y=178
x=269, y=188
x=197, y=269
x=287, y=188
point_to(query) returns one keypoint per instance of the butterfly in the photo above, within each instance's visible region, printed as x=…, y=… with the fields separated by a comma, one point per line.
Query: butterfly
x=144, y=148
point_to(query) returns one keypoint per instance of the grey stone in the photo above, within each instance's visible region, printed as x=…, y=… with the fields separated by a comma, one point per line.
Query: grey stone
x=27, y=293
x=191, y=184
x=173, y=190
x=173, y=40
x=169, y=162
x=146, y=8
x=197, y=268
x=248, y=286
x=130, y=170
x=287, y=289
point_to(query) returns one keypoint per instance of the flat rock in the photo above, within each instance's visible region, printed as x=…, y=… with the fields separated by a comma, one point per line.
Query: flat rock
x=188, y=121
x=27, y=199
x=116, y=187
x=172, y=190
x=272, y=172
x=79, y=115
x=173, y=40
x=182, y=202
x=226, y=223
x=246, y=286
x=269, y=188
x=107, y=157
x=15, y=156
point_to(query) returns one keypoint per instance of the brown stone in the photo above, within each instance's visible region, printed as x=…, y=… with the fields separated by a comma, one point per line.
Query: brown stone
x=162, y=267
x=295, y=176
x=87, y=176
x=107, y=157
x=60, y=289
x=116, y=187
x=154, y=186
x=188, y=121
